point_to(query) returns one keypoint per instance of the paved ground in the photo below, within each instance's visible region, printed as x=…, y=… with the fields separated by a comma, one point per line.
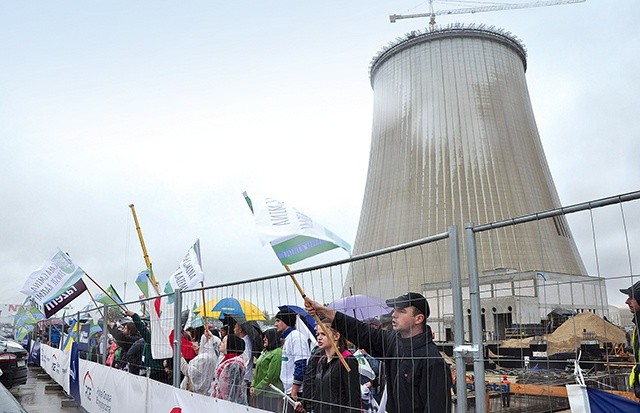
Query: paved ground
x=41, y=394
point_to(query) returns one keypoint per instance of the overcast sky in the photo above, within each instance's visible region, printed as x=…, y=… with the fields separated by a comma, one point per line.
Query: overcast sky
x=179, y=107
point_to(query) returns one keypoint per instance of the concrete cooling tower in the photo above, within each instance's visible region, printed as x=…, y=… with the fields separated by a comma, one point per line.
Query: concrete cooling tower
x=454, y=140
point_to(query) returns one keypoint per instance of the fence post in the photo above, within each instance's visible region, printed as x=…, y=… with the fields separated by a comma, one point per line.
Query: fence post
x=177, y=336
x=105, y=334
x=458, y=320
x=476, y=323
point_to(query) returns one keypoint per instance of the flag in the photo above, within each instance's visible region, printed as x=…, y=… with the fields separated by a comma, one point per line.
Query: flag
x=143, y=282
x=292, y=235
x=52, y=278
x=194, y=320
x=161, y=317
x=72, y=292
x=189, y=272
x=143, y=306
x=72, y=336
x=110, y=298
x=26, y=319
x=591, y=400
x=94, y=327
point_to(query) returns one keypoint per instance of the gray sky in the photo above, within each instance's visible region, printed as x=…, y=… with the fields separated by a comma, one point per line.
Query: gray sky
x=178, y=108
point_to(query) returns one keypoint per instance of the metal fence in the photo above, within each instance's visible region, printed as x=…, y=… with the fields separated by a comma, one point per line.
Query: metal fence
x=613, y=234
x=471, y=315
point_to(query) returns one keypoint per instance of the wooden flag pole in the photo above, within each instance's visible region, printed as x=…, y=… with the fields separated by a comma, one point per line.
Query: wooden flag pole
x=320, y=323
x=104, y=291
x=204, y=307
x=315, y=316
x=94, y=302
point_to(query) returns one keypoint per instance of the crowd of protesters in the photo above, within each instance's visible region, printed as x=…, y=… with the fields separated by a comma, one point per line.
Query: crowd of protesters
x=394, y=367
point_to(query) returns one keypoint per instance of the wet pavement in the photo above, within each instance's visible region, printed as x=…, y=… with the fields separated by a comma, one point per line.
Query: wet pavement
x=41, y=394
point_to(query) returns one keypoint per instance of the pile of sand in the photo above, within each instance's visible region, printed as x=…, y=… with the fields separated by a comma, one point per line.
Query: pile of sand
x=568, y=336
x=517, y=342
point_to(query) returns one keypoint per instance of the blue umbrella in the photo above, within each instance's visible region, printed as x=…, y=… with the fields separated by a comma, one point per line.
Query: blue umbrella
x=308, y=320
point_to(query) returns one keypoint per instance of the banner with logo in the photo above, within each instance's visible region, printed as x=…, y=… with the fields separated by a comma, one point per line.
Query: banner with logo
x=105, y=390
x=83, y=337
x=74, y=373
x=164, y=398
x=56, y=363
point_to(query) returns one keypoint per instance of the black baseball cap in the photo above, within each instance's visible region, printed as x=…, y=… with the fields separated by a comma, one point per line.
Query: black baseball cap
x=411, y=299
x=633, y=291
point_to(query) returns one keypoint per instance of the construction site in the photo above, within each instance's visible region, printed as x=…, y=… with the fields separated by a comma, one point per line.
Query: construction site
x=538, y=367
x=460, y=206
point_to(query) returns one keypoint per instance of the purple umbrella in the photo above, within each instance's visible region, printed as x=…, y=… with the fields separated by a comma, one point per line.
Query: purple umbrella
x=362, y=307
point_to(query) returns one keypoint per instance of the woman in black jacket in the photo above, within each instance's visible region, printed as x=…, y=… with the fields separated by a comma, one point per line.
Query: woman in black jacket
x=125, y=339
x=328, y=386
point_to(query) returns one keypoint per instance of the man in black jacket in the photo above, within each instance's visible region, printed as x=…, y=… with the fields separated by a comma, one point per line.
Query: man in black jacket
x=418, y=379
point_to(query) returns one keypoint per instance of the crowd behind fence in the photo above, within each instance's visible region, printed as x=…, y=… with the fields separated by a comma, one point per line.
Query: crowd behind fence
x=474, y=313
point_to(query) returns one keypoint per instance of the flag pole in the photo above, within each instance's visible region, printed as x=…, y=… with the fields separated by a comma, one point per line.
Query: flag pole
x=304, y=296
x=204, y=307
x=204, y=302
x=94, y=301
x=320, y=323
x=154, y=282
x=104, y=291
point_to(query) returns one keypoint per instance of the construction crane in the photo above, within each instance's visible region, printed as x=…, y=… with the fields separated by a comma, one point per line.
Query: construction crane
x=432, y=14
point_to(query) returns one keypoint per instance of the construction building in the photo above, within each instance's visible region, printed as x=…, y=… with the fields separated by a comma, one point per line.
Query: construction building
x=454, y=140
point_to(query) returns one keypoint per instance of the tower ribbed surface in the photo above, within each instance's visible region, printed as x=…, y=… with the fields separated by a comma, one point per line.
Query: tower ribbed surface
x=454, y=140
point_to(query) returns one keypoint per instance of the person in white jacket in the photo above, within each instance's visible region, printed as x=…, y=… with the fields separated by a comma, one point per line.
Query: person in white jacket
x=200, y=371
x=295, y=353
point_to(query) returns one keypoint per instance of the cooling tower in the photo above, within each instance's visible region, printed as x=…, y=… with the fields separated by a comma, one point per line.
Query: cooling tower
x=454, y=140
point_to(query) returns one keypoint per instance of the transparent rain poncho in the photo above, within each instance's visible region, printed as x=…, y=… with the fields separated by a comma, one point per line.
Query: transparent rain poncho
x=200, y=371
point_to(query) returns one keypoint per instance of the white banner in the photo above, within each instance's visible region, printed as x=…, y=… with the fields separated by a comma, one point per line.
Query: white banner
x=164, y=398
x=107, y=390
x=56, y=363
x=52, y=278
x=189, y=272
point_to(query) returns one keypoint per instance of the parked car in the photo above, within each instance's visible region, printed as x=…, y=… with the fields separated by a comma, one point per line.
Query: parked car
x=13, y=363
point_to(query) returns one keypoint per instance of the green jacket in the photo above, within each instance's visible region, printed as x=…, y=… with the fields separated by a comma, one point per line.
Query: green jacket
x=149, y=361
x=267, y=371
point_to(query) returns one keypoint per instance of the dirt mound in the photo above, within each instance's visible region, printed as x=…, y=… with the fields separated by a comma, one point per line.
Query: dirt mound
x=517, y=342
x=568, y=336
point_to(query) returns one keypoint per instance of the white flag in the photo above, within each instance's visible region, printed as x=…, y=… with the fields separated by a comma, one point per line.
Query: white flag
x=52, y=278
x=293, y=235
x=161, y=317
x=189, y=272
